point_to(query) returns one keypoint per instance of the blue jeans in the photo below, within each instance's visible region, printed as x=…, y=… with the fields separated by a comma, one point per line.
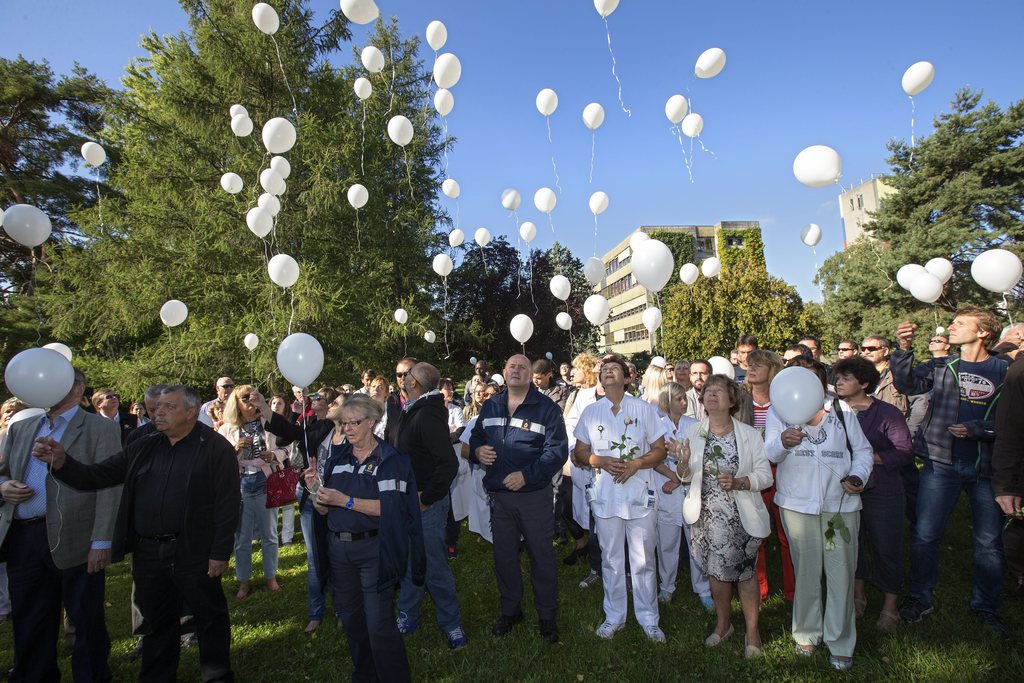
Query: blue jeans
x=940, y=489
x=256, y=518
x=314, y=587
x=439, y=581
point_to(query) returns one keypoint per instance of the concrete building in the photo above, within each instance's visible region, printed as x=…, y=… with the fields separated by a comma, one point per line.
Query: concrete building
x=624, y=332
x=855, y=204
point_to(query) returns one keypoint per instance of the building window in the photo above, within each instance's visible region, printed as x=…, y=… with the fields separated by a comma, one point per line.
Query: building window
x=736, y=242
x=852, y=206
x=860, y=201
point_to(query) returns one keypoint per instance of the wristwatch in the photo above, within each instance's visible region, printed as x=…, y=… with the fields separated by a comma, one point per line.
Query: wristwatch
x=351, y=502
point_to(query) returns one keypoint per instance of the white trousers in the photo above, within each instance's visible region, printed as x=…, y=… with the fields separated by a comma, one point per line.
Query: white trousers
x=698, y=579
x=669, y=536
x=287, y=522
x=639, y=534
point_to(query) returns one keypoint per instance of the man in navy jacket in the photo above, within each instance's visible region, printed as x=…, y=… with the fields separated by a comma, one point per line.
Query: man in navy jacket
x=520, y=438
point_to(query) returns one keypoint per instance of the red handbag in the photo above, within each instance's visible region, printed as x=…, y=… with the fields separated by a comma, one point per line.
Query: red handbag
x=281, y=487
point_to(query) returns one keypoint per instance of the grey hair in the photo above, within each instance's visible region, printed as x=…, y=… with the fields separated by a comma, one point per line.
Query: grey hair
x=192, y=400
x=1006, y=330
x=155, y=390
x=364, y=405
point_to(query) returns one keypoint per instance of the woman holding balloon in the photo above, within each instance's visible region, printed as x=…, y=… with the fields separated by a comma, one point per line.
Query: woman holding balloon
x=823, y=461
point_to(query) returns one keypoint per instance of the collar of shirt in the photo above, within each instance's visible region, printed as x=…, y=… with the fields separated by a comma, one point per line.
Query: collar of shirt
x=410, y=404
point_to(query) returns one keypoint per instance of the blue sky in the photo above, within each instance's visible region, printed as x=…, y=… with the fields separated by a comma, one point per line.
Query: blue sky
x=797, y=74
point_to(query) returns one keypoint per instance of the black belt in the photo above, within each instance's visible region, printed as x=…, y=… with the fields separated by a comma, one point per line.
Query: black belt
x=358, y=536
x=160, y=538
x=31, y=520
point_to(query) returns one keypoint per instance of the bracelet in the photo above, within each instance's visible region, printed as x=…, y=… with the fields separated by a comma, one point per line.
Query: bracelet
x=351, y=502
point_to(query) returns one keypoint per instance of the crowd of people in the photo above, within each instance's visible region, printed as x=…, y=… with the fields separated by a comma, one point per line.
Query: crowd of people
x=636, y=474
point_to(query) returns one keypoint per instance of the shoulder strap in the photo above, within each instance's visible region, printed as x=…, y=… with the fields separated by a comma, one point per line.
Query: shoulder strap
x=842, y=420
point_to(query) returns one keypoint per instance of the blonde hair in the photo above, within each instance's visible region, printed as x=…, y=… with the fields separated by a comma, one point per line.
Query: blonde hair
x=653, y=380
x=668, y=392
x=232, y=414
x=585, y=363
x=767, y=359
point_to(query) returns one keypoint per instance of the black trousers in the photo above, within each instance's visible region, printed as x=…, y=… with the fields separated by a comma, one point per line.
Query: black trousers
x=37, y=589
x=531, y=515
x=163, y=587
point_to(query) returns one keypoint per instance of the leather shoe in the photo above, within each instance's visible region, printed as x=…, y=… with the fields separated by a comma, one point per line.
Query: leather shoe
x=549, y=630
x=505, y=623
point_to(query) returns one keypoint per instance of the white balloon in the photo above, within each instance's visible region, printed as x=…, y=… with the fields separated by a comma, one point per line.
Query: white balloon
x=710, y=63
x=797, y=395
x=564, y=321
x=443, y=264
x=265, y=17
x=400, y=130
x=940, y=268
x=231, y=183
x=811, y=234
x=510, y=199
x=281, y=165
x=456, y=237
x=241, y=125
x=472, y=360
x=926, y=287
x=605, y=7
x=437, y=35
x=527, y=231
x=237, y=109
x=652, y=319
x=444, y=101
x=997, y=270
x=918, y=77
x=598, y=203
x=498, y=379
x=272, y=182
x=269, y=202
x=722, y=366
x=818, y=166
x=251, y=341
x=26, y=414
x=447, y=70
x=401, y=316
x=548, y=355
x=62, y=349
x=593, y=116
x=259, y=221
x=451, y=188
x=173, y=313
x=283, y=270
x=637, y=238
x=675, y=108
x=372, y=58
x=544, y=199
x=940, y=330
x=521, y=328
x=593, y=270
x=906, y=274
x=300, y=358
x=362, y=88
x=94, y=154
x=560, y=287
x=429, y=337
x=39, y=377
x=358, y=195
x=482, y=236
x=547, y=101
x=360, y=11
x=711, y=266
x=689, y=273
x=653, y=264
x=26, y=225
x=595, y=308
x=278, y=135
x=693, y=124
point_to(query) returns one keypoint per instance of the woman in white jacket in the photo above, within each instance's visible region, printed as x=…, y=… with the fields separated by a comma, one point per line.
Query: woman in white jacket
x=822, y=467
x=724, y=459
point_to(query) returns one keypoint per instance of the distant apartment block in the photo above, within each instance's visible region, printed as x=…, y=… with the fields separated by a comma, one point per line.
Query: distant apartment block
x=855, y=204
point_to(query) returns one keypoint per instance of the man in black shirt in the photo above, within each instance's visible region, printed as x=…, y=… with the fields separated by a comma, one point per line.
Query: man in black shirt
x=178, y=513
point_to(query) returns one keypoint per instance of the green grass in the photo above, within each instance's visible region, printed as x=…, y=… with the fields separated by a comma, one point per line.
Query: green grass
x=269, y=646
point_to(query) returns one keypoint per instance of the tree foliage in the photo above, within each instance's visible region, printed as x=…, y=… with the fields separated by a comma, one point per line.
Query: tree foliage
x=959, y=191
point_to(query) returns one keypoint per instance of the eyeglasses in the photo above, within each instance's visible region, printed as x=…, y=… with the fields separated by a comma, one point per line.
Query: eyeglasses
x=845, y=350
x=225, y=386
x=353, y=423
x=110, y=396
x=400, y=375
x=316, y=397
x=869, y=349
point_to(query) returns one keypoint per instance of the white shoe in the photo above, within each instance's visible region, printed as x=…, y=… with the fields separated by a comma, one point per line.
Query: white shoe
x=607, y=630
x=654, y=634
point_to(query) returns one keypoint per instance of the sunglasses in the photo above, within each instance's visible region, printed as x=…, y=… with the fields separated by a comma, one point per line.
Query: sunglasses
x=316, y=397
x=400, y=375
x=842, y=350
x=110, y=396
x=226, y=386
x=869, y=349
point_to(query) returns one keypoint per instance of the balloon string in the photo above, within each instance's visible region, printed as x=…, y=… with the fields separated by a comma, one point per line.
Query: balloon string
x=595, y=234
x=610, y=52
x=291, y=297
x=551, y=223
x=295, y=107
x=548, y=120
x=529, y=254
x=99, y=198
x=391, y=85
x=593, y=147
x=444, y=122
x=362, y=143
x=913, y=110
x=483, y=258
x=359, y=244
x=554, y=166
x=408, y=173
x=445, y=312
x=678, y=134
x=703, y=148
x=1006, y=306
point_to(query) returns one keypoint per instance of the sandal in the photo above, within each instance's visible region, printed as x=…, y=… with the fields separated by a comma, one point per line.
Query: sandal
x=887, y=621
x=859, y=606
x=805, y=650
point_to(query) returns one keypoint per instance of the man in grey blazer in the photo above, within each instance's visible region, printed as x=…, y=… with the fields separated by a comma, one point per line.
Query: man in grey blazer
x=57, y=542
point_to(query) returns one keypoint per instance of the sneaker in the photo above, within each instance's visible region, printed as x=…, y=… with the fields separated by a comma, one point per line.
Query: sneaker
x=992, y=622
x=665, y=597
x=405, y=624
x=591, y=579
x=505, y=623
x=457, y=638
x=607, y=630
x=654, y=634
x=708, y=603
x=549, y=630
x=844, y=664
x=913, y=610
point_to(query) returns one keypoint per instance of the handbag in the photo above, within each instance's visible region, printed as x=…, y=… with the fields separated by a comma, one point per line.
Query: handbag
x=281, y=486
